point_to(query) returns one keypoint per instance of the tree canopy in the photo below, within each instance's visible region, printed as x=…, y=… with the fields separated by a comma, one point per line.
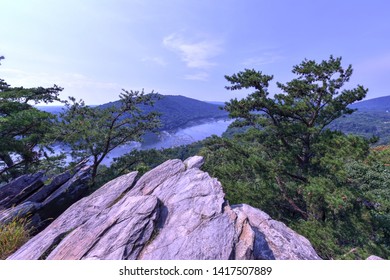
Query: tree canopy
x=294, y=122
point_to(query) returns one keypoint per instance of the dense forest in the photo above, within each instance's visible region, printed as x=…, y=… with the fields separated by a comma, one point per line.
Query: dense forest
x=284, y=154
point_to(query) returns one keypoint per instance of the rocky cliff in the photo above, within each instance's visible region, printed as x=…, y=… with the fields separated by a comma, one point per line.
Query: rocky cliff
x=175, y=211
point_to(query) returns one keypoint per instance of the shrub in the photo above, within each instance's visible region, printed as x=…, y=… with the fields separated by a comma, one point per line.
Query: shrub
x=12, y=236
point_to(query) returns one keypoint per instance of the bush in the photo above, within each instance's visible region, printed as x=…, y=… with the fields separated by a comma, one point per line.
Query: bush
x=12, y=236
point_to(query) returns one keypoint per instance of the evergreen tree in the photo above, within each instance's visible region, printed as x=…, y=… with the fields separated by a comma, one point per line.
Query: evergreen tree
x=293, y=124
x=23, y=127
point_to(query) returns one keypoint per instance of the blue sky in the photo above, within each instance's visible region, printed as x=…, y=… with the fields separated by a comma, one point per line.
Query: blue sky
x=95, y=48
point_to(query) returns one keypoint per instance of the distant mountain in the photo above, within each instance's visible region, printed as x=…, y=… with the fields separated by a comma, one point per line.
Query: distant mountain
x=178, y=111
x=51, y=109
x=372, y=118
x=379, y=104
x=219, y=103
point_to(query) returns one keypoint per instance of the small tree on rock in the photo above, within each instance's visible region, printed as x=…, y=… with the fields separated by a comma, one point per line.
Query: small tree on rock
x=93, y=132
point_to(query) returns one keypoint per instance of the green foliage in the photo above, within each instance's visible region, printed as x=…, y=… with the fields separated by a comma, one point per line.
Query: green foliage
x=23, y=128
x=240, y=165
x=366, y=124
x=13, y=235
x=94, y=132
x=294, y=134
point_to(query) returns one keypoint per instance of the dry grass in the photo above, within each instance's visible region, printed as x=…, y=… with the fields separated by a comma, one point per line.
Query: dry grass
x=12, y=236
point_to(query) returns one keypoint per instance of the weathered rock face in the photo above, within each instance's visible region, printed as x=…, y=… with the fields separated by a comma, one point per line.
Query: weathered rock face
x=29, y=195
x=175, y=211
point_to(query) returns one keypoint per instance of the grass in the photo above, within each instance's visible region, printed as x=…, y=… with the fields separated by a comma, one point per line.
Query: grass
x=12, y=236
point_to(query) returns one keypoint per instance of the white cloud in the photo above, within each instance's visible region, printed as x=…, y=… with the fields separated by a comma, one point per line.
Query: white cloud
x=195, y=54
x=201, y=76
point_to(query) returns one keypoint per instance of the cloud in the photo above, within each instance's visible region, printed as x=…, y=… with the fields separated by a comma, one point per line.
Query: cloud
x=263, y=59
x=156, y=60
x=201, y=76
x=195, y=54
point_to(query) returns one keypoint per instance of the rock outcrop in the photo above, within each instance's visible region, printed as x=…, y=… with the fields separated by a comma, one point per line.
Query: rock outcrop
x=43, y=199
x=374, y=258
x=175, y=211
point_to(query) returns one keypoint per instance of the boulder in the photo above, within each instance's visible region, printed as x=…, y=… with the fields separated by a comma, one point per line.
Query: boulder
x=16, y=191
x=42, y=202
x=175, y=211
x=267, y=239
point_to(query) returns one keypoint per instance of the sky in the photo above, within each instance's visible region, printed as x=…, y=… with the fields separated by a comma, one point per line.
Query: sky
x=96, y=48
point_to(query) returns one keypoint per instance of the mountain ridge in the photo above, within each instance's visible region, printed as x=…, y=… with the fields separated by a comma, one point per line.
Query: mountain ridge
x=177, y=110
x=375, y=104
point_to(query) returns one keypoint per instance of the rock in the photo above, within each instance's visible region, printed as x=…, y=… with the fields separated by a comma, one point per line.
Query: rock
x=175, y=211
x=65, y=194
x=28, y=196
x=16, y=191
x=194, y=162
x=270, y=239
x=374, y=258
x=41, y=245
x=22, y=210
x=191, y=214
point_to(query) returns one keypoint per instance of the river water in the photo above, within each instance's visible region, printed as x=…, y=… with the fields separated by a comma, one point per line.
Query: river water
x=182, y=136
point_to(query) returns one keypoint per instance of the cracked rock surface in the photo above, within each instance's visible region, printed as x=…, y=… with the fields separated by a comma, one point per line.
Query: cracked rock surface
x=175, y=211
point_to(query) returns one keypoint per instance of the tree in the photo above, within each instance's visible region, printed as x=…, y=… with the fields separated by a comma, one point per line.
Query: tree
x=93, y=132
x=23, y=127
x=293, y=124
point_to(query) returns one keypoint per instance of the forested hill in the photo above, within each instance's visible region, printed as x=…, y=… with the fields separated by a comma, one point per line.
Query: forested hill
x=372, y=118
x=177, y=111
x=379, y=104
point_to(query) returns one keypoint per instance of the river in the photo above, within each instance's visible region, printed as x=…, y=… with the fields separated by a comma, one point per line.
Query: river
x=181, y=136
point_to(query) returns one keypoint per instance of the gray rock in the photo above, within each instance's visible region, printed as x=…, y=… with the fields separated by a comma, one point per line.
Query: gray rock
x=49, y=188
x=118, y=232
x=28, y=196
x=41, y=245
x=16, y=191
x=65, y=195
x=175, y=211
x=193, y=211
x=273, y=239
x=374, y=258
x=194, y=162
x=20, y=211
